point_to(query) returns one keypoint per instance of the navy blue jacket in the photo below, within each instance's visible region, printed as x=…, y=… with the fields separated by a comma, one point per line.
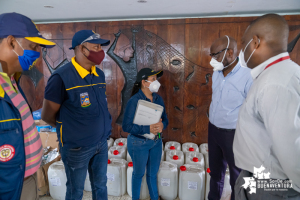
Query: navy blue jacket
x=134, y=129
x=11, y=133
x=83, y=118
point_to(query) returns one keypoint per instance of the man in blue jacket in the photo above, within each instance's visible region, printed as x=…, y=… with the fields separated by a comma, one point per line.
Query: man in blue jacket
x=20, y=43
x=75, y=102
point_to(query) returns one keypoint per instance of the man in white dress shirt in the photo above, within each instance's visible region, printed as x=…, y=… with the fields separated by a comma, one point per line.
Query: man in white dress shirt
x=268, y=128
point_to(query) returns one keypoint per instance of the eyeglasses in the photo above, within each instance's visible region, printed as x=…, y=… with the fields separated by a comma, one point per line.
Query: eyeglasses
x=214, y=54
x=92, y=37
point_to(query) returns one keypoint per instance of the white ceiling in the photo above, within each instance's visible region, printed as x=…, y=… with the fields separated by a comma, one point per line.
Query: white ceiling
x=90, y=10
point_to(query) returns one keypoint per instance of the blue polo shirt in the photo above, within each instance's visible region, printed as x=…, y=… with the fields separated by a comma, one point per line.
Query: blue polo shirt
x=83, y=118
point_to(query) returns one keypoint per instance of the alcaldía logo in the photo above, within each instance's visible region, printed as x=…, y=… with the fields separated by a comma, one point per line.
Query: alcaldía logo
x=262, y=180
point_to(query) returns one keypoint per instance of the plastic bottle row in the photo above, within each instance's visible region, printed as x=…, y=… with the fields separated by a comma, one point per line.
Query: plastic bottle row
x=171, y=145
x=175, y=152
x=188, y=181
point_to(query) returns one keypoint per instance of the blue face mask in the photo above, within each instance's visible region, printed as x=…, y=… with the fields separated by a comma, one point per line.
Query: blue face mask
x=28, y=59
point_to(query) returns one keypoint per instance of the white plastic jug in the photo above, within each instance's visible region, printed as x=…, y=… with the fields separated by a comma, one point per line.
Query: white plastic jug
x=207, y=182
x=116, y=177
x=110, y=143
x=172, y=145
x=176, y=157
x=167, y=180
x=163, y=156
x=87, y=183
x=190, y=147
x=194, y=158
x=117, y=152
x=128, y=157
x=144, y=192
x=191, y=182
x=226, y=194
x=121, y=142
x=57, y=180
x=204, y=150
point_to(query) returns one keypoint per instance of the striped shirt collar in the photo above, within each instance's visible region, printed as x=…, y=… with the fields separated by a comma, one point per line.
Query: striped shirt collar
x=81, y=71
x=7, y=79
x=255, y=72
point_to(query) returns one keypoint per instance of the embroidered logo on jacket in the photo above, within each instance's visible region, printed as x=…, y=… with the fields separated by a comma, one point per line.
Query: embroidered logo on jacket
x=7, y=152
x=85, y=100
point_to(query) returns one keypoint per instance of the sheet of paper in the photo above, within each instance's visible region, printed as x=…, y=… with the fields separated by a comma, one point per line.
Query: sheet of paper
x=146, y=116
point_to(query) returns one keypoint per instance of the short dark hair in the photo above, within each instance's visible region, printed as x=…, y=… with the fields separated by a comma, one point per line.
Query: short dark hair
x=1, y=40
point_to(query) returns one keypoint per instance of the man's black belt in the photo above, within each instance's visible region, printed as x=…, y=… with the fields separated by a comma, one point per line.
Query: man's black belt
x=223, y=129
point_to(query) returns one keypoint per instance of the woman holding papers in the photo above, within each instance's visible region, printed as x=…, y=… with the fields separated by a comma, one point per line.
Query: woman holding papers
x=144, y=141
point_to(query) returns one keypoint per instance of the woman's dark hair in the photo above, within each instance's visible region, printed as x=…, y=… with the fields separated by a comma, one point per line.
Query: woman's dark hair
x=136, y=88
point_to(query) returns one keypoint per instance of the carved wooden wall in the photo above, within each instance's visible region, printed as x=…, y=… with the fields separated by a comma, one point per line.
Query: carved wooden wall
x=186, y=65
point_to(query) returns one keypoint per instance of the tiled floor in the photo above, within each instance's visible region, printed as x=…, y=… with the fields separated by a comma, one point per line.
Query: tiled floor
x=88, y=196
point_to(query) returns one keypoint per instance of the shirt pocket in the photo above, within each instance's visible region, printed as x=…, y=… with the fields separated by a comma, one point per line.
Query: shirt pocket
x=232, y=99
x=102, y=92
x=10, y=176
x=85, y=104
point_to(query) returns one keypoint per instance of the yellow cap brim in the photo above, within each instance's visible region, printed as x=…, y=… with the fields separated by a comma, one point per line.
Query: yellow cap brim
x=41, y=41
x=156, y=73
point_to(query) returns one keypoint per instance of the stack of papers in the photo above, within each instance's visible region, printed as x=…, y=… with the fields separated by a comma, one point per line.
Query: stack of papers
x=147, y=113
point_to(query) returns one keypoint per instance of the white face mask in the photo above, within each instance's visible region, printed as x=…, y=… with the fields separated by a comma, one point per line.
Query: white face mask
x=219, y=66
x=154, y=86
x=242, y=55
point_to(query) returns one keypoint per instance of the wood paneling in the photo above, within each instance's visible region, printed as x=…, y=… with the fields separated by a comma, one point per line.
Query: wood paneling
x=189, y=40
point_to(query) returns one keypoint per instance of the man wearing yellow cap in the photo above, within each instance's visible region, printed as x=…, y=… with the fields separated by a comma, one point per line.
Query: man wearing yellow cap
x=20, y=144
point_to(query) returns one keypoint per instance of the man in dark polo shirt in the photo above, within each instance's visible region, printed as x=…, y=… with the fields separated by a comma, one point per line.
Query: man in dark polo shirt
x=75, y=103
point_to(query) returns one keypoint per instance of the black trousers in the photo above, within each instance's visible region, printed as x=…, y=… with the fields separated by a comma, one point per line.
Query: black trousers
x=220, y=143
